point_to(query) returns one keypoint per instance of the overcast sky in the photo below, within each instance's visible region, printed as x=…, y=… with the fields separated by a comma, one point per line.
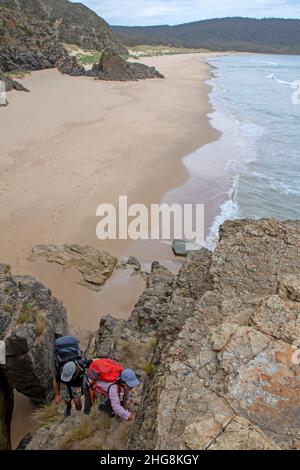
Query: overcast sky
x=148, y=12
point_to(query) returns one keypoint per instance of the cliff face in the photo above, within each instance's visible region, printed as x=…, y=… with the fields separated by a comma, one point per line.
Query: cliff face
x=225, y=378
x=27, y=43
x=215, y=347
x=30, y=320
x=74, y=22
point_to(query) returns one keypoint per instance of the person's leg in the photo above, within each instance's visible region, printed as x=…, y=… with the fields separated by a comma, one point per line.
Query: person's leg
x=67, y=399
x=68, y=409
x=87, y=398
x=76, y=394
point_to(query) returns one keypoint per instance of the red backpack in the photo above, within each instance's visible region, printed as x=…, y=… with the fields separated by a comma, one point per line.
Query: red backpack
x=105, y=370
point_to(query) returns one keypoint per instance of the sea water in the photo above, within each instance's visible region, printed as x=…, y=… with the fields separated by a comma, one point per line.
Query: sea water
x=259, y=95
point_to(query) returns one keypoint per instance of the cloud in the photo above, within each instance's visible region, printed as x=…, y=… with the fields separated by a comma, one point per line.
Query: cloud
x=149, y=12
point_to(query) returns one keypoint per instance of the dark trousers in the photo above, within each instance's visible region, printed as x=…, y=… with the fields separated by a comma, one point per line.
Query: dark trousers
x=88, y=403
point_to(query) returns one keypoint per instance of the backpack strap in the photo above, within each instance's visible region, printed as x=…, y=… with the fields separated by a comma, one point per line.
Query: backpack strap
x=119, y=386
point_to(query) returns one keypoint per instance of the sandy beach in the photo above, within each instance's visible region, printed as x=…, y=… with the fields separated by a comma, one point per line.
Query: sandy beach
x=73, y=143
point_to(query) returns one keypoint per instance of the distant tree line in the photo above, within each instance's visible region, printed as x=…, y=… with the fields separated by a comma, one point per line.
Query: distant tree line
x=224, y=34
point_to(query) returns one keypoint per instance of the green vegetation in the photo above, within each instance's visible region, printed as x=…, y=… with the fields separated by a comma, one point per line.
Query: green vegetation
x=29, y=33
x=222, y=34
x=75, y=23
x=24, y=317
x=29, y=307
x=88, y=58
x=30, y=314
x=138, y=52
x=150, y=369
x=83, y=56
x=17, y=74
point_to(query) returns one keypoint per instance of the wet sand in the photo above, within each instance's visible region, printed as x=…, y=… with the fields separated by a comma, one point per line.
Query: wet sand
x=74, y=143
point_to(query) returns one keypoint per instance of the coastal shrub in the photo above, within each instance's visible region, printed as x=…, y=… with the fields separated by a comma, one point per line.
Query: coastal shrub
x=88, y=58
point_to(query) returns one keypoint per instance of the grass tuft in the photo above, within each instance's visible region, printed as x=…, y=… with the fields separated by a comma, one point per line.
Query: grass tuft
x=48, y=415
x=84, y=430
x=17, y=74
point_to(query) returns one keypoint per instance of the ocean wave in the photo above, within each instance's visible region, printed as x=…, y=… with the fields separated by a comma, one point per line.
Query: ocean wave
x=273, y=76
x=275, y=185
x=266, y=62
x=229, y=210
x=284, y=188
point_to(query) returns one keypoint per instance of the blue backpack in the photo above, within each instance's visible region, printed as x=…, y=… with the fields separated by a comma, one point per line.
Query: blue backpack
x=67, y=349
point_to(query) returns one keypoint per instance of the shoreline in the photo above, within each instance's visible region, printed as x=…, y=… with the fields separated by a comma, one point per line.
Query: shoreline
x=167, y=169
x=54, y=181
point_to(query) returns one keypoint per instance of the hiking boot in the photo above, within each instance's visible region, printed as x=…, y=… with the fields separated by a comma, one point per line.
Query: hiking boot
x=68, y=411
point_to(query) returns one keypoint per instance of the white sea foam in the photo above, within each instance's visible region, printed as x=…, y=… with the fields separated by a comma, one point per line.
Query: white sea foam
x=228, y=211
x=274, y=77
x=284, y=188
x=266, y=62
x=265, y=163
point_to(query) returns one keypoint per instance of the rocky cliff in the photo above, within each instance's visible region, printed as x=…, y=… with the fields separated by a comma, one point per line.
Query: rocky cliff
x=74, y=22
x=27, y=43
x=225, y=377
x=30, y=320
x=216, y=348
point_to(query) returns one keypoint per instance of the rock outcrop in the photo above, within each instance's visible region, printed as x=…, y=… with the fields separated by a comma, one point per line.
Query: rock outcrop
x=7, y=84
x=95, y=266
x=74, y=23
x=29, y=44
x=130, y=342
x=70, y=67
x=226, y=377
x=11, y=84
x=215, y=346
x=113, y=67
x=30, y=321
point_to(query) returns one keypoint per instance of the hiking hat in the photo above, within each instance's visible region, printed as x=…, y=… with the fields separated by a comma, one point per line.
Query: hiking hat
x=68, y=372
x=128, y=376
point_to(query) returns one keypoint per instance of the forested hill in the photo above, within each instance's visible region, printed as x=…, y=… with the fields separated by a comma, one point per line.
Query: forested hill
x=224, y=34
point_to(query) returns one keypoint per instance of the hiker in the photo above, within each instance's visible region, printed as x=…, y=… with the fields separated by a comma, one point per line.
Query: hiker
x=109, y=380
x=70, y=366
